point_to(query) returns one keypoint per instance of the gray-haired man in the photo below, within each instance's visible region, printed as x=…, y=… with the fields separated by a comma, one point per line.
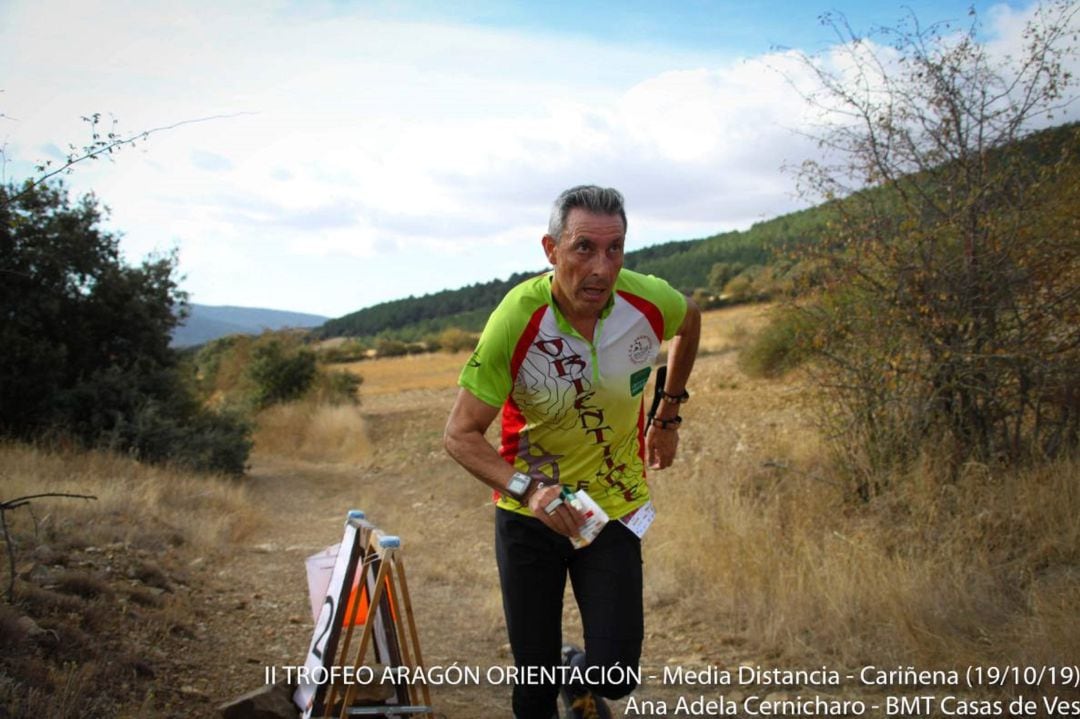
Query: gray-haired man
x=565, y=358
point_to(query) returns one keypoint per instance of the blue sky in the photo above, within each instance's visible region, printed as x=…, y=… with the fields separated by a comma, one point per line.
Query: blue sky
x=716, y=28
x=366, y=151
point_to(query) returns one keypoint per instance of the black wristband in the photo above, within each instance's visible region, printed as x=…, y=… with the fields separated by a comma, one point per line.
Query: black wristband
x=672, y=423
x=676, y=398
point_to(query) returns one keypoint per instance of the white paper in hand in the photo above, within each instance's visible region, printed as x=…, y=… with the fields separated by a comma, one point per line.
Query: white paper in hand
x=595, y=518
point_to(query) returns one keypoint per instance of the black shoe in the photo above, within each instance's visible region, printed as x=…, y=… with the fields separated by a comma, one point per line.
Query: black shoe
x=580, y=701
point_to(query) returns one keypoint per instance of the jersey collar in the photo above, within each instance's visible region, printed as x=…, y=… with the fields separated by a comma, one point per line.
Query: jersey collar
x=560, y=319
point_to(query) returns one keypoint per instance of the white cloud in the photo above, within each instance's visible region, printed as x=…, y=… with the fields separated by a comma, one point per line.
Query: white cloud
x=359, y=159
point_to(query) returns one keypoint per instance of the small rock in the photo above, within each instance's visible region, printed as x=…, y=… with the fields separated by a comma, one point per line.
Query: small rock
x=273, y=701
x=29, y=627
x=47, y=555
x=144, y=670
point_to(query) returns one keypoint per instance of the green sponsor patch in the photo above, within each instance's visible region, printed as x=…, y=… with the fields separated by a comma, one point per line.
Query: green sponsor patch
x=638, y=380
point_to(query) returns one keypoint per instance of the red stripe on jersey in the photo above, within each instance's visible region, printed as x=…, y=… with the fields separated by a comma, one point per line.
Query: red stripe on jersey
x=525, y=341
x=513, y=421
x=641, y=439
x=652, y=312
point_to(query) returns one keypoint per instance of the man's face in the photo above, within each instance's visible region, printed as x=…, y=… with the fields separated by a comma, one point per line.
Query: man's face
x=587, y=259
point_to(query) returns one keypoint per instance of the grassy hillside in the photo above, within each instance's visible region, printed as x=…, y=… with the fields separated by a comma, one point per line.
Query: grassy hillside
x=414, y=317
x=687, y=264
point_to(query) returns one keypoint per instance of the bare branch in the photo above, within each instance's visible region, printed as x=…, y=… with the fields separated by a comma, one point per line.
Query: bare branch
x=15, y=504
x=100, y=147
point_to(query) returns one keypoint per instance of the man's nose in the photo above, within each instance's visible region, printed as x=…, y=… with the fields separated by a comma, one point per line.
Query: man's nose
x=604, y=265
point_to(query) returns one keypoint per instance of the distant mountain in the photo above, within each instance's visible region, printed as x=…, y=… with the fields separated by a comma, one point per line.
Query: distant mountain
x=208, y=322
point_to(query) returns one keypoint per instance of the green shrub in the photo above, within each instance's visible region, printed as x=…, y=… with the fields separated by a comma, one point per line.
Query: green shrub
x=391, y=348
x=203, y=440
x=335, y=387
x=455, y=339
x=280, y=375
x=779, y=347
x=347, y=351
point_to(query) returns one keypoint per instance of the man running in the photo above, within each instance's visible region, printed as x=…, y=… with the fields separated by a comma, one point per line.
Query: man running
x=566, y=357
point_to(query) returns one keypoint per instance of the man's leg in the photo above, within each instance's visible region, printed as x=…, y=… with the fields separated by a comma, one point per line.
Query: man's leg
x=532, y=572
x=607, y=581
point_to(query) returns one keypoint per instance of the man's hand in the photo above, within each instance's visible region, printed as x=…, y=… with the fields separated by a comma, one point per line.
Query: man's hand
x=660, y=447
x=562, y=518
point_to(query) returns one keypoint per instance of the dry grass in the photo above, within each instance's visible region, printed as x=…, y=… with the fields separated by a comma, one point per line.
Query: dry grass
x=806, y=575
x=932, y=573
x=314, y=432
x=91, y=607
x=320, y=432
x=728, y=329
x=137, y=504
x=389, y=375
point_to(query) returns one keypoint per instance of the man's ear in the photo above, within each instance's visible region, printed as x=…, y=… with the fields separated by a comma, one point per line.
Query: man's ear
x=549, y=248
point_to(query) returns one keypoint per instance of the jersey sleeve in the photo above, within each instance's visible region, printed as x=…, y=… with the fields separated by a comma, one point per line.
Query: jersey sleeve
x=670, y=302
x=673, y=305
x=487, y=374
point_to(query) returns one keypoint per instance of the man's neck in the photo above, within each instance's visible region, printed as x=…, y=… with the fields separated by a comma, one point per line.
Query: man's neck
x=585, y=325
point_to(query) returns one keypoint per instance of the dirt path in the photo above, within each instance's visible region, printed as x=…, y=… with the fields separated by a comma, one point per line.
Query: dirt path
x=253, y=607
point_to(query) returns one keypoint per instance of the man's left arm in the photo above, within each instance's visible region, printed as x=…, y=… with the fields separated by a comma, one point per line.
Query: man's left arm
x=661, y=443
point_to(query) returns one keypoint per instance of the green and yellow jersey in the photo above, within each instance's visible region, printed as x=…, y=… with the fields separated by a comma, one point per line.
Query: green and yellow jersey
x=572, y=410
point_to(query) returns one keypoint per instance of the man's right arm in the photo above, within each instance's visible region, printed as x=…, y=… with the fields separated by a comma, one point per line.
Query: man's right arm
x=465, y=442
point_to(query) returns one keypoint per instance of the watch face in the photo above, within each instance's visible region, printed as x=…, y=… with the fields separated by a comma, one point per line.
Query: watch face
x=518, y=484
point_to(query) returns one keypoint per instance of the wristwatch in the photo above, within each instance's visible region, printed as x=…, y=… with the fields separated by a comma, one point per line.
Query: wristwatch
x=518, y=486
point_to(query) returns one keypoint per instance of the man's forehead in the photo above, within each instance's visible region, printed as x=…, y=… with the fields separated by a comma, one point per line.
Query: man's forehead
x=583, y=221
